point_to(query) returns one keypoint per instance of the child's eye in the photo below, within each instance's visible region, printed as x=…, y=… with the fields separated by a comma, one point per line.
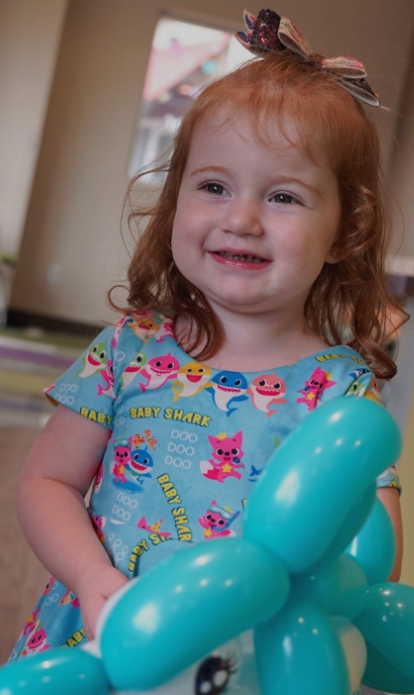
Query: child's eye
x=282, y=198
x=215, y=188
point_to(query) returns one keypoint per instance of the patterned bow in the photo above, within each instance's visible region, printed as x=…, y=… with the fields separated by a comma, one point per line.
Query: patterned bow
x=271, y=33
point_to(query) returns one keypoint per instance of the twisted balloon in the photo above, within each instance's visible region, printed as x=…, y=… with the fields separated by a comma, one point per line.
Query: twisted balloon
x=308, y=576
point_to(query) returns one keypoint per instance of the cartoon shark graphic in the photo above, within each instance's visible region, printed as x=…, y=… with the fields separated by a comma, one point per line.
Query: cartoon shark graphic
x=144, y=325
x=158, y=371
x=228, y=388
x=108, y=376
x=37, y=642
x=140, y=464
x=374, y=393
x=118, y=328
x=134, y=367
x=94, y=361
x=192, y=378
x=359, y=372
x=130, y=466
x=314, y=387
x=371, y=392
x=357, y=388
x=165, y=330
x=266, y=390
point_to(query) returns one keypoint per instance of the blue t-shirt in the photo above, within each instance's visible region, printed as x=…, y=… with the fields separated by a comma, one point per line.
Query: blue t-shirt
x=188, y=442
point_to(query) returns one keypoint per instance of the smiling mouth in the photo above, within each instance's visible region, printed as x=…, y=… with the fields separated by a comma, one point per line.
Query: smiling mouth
x=241, y=257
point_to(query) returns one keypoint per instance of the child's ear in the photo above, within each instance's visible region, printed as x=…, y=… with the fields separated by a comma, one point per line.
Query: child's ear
x=333, y=255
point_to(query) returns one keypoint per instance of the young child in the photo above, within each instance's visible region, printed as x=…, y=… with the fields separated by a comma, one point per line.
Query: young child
x=257, y=293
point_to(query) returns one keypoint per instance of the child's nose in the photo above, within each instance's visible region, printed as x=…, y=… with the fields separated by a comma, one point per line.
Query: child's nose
x=243, y=217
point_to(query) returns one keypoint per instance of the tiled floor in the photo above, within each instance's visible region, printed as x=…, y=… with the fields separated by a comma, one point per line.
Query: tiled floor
x=29, y=361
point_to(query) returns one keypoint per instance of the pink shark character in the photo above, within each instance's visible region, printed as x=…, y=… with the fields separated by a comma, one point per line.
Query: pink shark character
x=216, y=521
x=132, y=370
x=158, y=371
x=314, y=388
x=108, y=376
x=226, y=458
x=49, y=586
x=266, y=390
x=119, y=326
x=165, y=331
x=36, y=643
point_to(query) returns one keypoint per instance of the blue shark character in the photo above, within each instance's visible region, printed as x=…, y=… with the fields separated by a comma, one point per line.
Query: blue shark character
x=130, y=467
x=140, y=464
x=227, y=388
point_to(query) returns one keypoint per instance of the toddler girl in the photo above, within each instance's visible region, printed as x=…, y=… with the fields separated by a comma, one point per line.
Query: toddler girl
x=257, y=293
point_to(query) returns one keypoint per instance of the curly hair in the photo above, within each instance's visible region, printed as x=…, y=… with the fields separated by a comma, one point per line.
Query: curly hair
x=349, y=302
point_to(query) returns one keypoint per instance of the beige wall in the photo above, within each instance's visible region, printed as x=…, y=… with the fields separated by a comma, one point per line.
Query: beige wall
x=407, y=480
x=402, y=180
x=29, y=42
x=73, y=222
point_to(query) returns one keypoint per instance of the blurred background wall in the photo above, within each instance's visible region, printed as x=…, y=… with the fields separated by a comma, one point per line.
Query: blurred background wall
x=71, y=79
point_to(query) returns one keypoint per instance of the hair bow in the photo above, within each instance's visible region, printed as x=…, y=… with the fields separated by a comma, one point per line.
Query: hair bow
x=271, y=33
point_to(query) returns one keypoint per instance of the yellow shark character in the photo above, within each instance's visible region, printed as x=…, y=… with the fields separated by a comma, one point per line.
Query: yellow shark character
x=192, y=378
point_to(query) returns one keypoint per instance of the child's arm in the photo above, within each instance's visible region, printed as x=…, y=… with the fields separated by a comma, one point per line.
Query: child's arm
x=52, y=513
x=391, y=500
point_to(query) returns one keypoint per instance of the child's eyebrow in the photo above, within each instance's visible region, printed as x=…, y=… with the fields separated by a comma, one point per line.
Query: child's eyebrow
x=210, y=167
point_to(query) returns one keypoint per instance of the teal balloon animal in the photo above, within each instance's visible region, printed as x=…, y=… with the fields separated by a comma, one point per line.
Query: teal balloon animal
x=299, y=604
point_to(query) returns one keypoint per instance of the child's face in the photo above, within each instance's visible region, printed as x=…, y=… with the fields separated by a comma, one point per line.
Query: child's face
x=254, y=224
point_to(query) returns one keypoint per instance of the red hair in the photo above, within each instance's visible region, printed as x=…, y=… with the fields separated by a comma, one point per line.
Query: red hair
x=349, y=302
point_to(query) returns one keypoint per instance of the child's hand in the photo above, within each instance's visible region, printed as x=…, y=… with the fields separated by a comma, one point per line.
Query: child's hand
x=97, y=584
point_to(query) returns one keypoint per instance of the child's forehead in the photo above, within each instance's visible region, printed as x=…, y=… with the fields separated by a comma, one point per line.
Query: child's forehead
x=279, y=135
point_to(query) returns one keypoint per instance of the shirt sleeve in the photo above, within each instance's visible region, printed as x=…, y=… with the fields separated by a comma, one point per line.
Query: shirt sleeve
x=87, y=387
x=365, y=386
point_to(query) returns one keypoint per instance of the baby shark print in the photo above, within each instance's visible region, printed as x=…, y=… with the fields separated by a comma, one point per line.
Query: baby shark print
x=217, y=520
x=144, y=325
x=188, y=444
x=228, y=388
x=191, y=379
x=165, y=331
x=267, y=390
x=314, y=387
x=359, y=388
x=130, y=465
x=141, y=464
x=158, y=371
x=225, y=459
x=134, y=367
x=109, y=379
x=94, y=361
x=153, y=528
